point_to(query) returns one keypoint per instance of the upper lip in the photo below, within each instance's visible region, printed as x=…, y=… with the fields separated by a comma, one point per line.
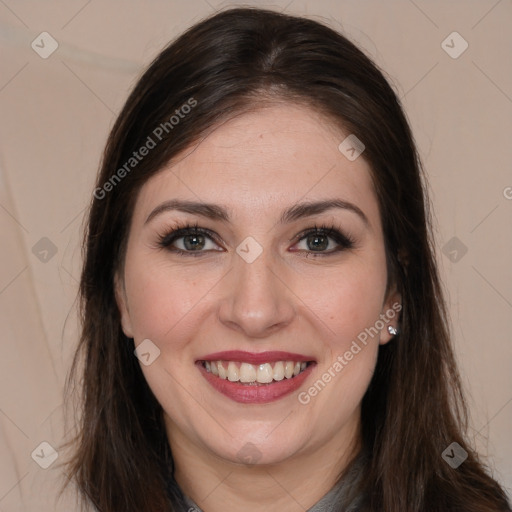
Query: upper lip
x=255, y=358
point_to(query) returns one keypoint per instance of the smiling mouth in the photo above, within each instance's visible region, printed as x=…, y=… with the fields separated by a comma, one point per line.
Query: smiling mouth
x=255, y=374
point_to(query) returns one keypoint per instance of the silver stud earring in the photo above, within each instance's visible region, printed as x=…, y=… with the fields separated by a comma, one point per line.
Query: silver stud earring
x=392, y=330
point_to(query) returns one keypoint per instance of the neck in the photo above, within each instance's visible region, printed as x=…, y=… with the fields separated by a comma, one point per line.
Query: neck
x=294, y=484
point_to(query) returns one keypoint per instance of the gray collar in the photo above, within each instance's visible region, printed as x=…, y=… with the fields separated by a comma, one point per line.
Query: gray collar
x=342, y=496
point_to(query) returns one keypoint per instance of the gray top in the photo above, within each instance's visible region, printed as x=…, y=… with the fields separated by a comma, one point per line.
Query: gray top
x=337, y=499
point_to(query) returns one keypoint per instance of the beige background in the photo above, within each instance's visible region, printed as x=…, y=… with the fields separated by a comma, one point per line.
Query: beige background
x=55, y=117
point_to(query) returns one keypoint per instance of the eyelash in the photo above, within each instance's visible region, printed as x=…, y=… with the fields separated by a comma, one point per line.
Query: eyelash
x=179, y=231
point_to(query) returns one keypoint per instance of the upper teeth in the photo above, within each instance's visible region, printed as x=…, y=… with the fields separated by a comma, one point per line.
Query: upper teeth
x=262, y=373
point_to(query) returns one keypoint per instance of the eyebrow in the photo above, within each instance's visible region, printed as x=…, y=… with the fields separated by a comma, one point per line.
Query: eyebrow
x=291, y=214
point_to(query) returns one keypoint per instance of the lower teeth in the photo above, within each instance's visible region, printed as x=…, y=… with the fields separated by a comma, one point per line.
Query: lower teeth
x=256, y=383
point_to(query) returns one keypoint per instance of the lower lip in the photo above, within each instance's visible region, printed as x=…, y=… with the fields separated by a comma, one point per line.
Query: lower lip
x=256, y=394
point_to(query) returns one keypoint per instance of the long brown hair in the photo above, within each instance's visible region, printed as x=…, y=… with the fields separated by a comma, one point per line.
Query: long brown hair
x=414, y=407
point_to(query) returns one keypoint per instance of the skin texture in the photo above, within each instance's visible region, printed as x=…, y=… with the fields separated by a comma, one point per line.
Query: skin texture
x=256, y=165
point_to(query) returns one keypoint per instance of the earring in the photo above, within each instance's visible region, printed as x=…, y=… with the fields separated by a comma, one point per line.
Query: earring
x=392, y=330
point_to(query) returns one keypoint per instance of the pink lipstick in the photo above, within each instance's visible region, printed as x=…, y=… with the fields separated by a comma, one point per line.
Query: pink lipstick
x=270, y=384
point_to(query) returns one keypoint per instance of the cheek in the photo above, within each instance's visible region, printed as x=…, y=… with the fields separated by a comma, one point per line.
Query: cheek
x=351, y=305
x=352, y=302
x=162, y=299
x=348, y=300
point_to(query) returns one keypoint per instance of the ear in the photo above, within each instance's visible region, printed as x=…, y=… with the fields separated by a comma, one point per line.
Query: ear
x=122, y=304
x=390, y=315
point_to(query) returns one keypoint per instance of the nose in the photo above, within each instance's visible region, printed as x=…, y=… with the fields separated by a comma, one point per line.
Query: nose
x=257, y=301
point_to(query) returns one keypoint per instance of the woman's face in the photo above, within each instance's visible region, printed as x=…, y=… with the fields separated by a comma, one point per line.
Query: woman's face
x=262, y=286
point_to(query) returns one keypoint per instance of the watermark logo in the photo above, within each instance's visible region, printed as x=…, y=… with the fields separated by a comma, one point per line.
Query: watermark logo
x=454, y=45
x=44, y=455
x=249, y=249
x=157, y=135
x=249, y=454
x=147, y=352
x=44, y=45
x=455, y=455
x=44, y=250
x=351, y=147
x=454, y=250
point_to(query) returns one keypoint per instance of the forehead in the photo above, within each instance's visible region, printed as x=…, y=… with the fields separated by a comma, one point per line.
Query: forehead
x=264, y=158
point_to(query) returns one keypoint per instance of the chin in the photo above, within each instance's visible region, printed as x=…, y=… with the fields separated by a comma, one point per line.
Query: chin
x=261, y=449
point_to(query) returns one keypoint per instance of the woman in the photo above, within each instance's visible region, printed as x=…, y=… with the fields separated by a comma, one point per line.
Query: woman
x=263, y=325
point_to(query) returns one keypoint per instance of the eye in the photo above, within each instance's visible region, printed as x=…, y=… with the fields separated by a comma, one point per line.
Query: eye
x=188, y=240
x=324, y=240
x=192, y=240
